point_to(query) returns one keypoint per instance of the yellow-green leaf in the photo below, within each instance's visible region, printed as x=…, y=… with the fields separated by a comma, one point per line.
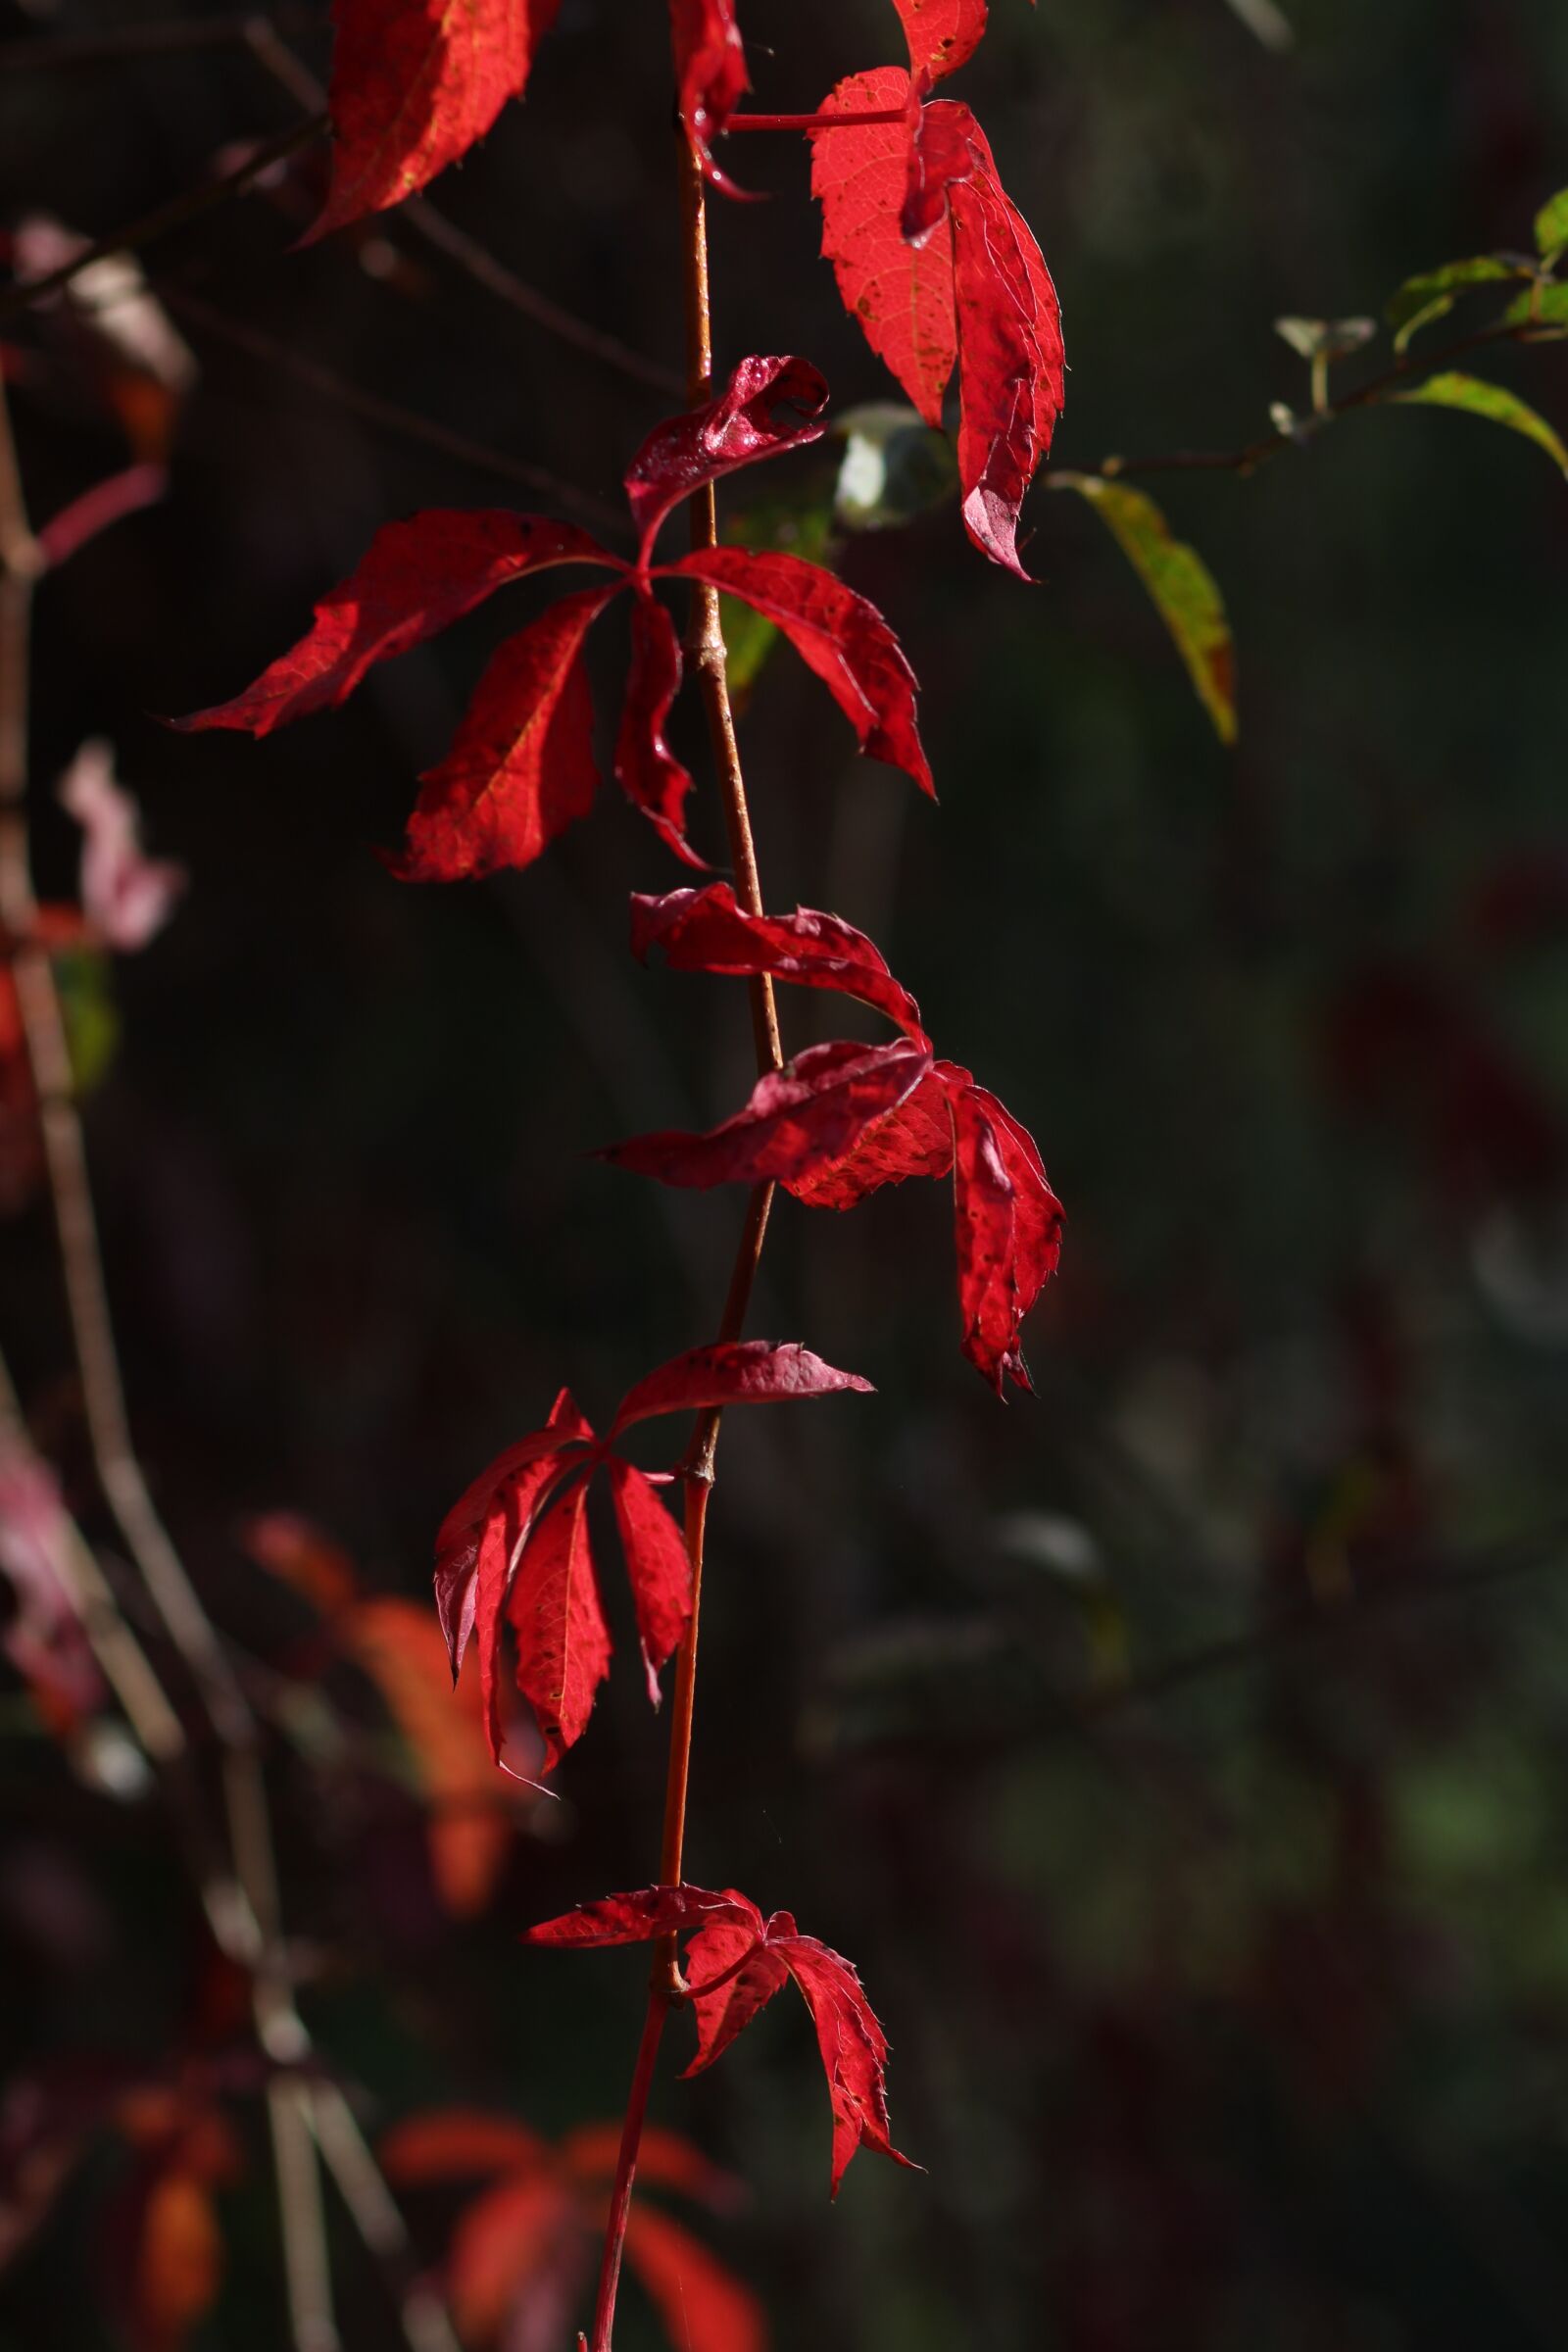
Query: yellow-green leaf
x=1184, y=589
x=1475, y=398
x=1552, y=223
x=1422, y=299
x=1543, y=305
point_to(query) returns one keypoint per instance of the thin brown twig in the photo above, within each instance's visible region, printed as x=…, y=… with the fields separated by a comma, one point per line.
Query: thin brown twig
x=176, y=214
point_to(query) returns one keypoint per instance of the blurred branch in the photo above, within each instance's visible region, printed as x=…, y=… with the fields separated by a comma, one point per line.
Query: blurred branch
x=163, y=218
x=1371, y=394
x=1267, y=22
x=260, y=36
x=246, y=1914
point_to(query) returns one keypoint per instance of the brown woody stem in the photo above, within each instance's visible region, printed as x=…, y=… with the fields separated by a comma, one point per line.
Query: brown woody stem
x=706, y=659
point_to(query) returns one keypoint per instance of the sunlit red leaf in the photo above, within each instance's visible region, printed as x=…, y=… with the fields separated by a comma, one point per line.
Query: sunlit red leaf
x=1009, y=1227
x=414, y=579
x=709, y=71
x=768, y=406
x=732, y=1976
x=943, y=34
x=853, y=2047
x=914, y=1140
x=656, y=1563
x=706, y=931
x=507, y=1487
x=733, y=1372
x=521, y=769
x=900, y=295
x=638, y=1917
x=703, y=2306
x=838, y=634
x=413, y=87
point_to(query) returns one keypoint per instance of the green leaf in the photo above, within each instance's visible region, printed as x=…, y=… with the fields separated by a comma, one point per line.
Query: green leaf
x=798, y=529
x=1422, y=299
x=85, y=981
x=1552, y=223
x=1543, y=305
x=1183, y=587
x=894, y=466
x=1478, y=399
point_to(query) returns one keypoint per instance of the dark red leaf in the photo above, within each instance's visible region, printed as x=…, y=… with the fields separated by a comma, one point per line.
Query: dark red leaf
x=638, y=1918
x=731, y=1977
x=646, y=769
x=658, y=1565
x=413, y=87
x=1009, y=1226
x=554, y=1607
x=914, y=1140
x=797, y=1119
x=416, y=579
x=507, y=1484
x=703, y=2308
x=521, y=769
x=900, y=295
x=768, y=406
x=706, y=931
x=838, y=634
x=709, y=72
x=733, y=1372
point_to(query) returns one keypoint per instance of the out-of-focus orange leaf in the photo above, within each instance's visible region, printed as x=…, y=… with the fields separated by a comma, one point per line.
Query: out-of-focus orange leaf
x=703, y=2306
x=295, y=1550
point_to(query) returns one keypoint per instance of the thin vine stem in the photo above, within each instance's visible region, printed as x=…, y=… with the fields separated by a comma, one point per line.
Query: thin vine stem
x=707, y=660
x=846, y=121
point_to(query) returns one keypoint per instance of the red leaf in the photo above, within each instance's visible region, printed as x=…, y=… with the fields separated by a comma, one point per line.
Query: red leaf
x=838, y=634
x=665, y=2160
x=508, y=1485
x=733, y=1372
x=1009, y=1225
x=706, y=931
x=416, y=579
x=554, y=1607
x=709, y=72
x=638, y=1918
x=704, y=2309
x=768, y=406
x=658, y=1564
x=522, y=766
x=520, y=2230
x=646, y=769
x=797, y=1118
x=455, y=2143
x=900, y=295
x=413, y=86
x=732, y=1976
x=914, y=1140
x=943, y=34
x=853, y=2048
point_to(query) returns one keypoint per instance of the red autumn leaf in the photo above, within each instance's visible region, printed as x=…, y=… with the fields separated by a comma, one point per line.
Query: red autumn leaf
x=455, y=2143
x=164, y=2260
x=837, y=633
x=769, y=404
x=525, y=2233
x=701, y=2307
x=1008, y=1224
x=413, y=87
x=732, y=1976
x=709, y=72
x=810, y=1112
x=554, y=1607
x=506, y=1489
x=646, y=769
x=414, y=579
x=914, y=1140
x=521, y=769
x=658, y=1564
x=296, y=1551
x=706, y=931
x=733, y=1372
x=665, y=2160
x=729, y=1929
x=937, y=265
x=943, y=34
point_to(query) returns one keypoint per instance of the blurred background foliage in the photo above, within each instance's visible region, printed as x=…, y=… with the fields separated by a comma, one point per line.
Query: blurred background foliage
x=1183, y=1758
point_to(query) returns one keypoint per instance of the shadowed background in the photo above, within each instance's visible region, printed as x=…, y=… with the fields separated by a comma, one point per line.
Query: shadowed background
x=1181, y=1756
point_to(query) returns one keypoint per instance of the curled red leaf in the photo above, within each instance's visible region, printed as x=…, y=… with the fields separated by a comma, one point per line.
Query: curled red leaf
x=797, y=1119
x=413, y=87
x=706, y=931
x=521, y=769
x=710, y=74
x=840, y=635
x=769, y=404
x=914, y=1139
x=658, y=1565
x=413, y=580
x=733, y=1372
x=1009, y=1226
x=646, y=769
